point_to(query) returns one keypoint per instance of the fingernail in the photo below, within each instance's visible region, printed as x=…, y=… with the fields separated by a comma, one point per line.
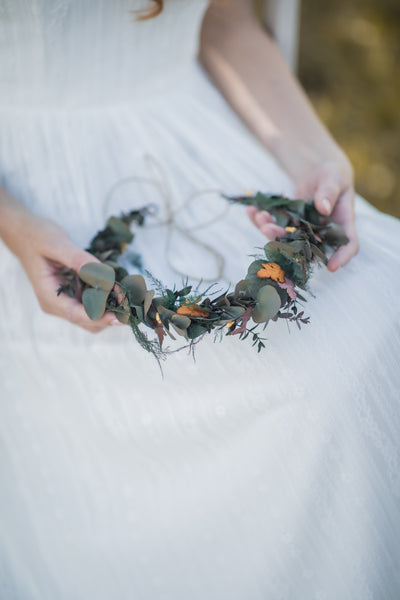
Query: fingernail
x=326, y=206
x=115, y=322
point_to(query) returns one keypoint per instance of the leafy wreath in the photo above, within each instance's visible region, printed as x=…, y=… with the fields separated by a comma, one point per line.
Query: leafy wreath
x=269, y=291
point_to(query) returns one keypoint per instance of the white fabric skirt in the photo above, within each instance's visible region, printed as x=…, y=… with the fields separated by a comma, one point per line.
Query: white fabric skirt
x=238, y=475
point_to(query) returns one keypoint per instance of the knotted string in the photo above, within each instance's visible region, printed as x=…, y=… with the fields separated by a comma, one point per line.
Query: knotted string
x=161, y=182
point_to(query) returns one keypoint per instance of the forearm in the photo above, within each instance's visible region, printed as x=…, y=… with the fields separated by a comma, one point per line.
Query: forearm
x=247, y=67
x=14, y=221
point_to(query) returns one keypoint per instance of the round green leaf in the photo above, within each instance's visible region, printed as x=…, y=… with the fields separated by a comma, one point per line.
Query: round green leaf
x=112, y=263
x=148, y=297
x=180, y=331
x=136, y=286
x=165, y=314
x=253, y=287
x=94, y=302
x=120, y=230
x=195, y=330
x=253, y=268
x=181, y=321
x=120, y=273
x=268, y=304
x=240, y=288
x=160, y=301
x=98, y=275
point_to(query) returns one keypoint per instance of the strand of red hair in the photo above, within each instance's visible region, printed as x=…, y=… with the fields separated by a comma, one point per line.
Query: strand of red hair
x=150, y=12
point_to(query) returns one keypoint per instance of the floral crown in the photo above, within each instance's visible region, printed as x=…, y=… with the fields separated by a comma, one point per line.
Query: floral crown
x=268, y=292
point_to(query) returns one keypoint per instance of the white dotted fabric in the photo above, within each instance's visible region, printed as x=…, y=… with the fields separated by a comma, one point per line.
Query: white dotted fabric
x=241, y=475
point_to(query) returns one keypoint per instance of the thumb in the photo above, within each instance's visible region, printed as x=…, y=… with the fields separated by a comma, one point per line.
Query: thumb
x=326, y=196
x=73, y=257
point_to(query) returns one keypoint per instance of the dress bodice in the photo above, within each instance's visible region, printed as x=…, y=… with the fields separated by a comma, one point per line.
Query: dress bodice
x=74, y=53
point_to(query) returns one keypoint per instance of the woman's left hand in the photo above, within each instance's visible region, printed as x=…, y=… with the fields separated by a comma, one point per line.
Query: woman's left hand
x=331, y=186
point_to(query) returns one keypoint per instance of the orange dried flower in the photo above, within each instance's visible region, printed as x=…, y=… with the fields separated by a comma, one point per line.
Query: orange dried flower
x=192, y=310
x=273, y=271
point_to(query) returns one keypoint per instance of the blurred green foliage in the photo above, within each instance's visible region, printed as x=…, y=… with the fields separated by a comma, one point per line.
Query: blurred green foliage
x=349, y=59
x=349, y=64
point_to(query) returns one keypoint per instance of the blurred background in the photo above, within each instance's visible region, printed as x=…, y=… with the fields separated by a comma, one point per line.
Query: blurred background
x=349, y=64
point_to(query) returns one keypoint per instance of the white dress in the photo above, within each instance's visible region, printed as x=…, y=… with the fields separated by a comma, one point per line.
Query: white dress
x=240, y=476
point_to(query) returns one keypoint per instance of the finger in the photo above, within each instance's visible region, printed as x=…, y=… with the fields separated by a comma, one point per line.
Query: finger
x=344, y=215
x=263, y=218
x=73, y=257
x=251, y=213
x=326, y=195
x=259, y=217
x=119, y=293
x=78, y=258
x=92, y=329
x=265, y=222
x=342, y=256
x=272, y=231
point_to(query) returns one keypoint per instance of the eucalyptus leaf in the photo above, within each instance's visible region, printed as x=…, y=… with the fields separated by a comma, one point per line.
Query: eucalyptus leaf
x=281, y=220
x=286, y=249
x=268, y=304
x=181, y=321
x=120, y=273
x=241, y=288
x=195, y=330
x=98, y=275
x=120, y=229
x=311, y=214
x=94, y=302
x=254, y=285
x=165, y=314
x=268, y=202
x=298, y=207
x=160, y=301
x=317, y=252
x=297, y=246
x=282, y=292
x=184, y=291
x=255, y=266
x=112, y=263
x=180, y=331
x=136, y=286
x=148, y=297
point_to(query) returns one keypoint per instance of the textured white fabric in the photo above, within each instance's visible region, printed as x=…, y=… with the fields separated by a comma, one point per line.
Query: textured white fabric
x=243, y=476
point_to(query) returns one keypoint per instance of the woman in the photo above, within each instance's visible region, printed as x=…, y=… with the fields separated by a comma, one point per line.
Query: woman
x=242, y=475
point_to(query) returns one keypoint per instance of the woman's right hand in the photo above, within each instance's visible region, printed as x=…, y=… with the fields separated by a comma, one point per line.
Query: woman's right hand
x=43, y=249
